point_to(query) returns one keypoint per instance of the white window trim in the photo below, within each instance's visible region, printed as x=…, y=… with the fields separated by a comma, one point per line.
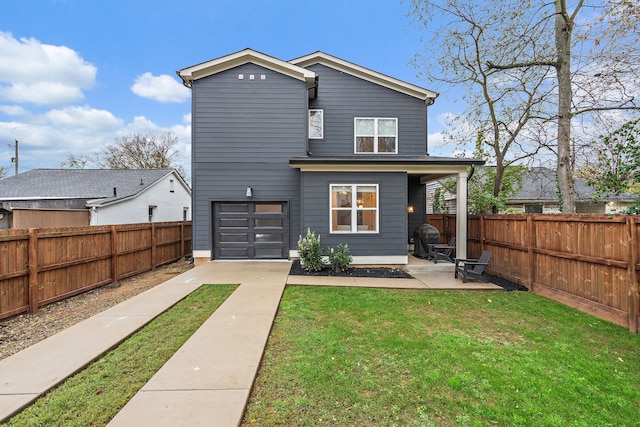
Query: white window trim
x=375, y=136
x=321, y=124
x=354, y=209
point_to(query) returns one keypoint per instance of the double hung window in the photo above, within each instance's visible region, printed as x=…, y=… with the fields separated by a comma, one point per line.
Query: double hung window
x=374, y=135
x=354, y=208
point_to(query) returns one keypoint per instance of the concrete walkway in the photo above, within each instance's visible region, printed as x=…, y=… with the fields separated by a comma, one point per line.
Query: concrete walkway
x=209, y=379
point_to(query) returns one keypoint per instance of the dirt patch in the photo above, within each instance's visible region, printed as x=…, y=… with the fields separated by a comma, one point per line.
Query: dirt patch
x=22, y=331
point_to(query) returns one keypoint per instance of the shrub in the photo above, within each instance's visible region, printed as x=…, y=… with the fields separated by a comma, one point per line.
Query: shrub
x=340, y=259
x=310, y=252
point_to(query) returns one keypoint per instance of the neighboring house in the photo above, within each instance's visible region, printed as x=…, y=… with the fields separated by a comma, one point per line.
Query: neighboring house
x=279, y=147
x=539, y=194
x=77, y=197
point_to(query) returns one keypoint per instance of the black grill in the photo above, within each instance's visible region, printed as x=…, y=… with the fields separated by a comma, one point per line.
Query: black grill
x=424, y=235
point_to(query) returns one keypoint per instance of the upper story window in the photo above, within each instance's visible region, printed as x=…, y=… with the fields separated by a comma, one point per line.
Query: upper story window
x=316, y=124
x=373, y=135
x=354, y=208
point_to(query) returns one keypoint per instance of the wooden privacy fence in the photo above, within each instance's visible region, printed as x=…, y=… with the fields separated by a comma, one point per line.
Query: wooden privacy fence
x=589, y=262
x=39, y=266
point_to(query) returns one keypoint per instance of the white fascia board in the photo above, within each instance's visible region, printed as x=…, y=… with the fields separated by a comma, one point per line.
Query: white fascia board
x=443, y=170
x=366, y=74
x=245, y=56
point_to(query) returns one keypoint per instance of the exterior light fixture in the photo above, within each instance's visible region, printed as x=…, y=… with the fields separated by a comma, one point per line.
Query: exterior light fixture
x=249, y=192
x=410, y=209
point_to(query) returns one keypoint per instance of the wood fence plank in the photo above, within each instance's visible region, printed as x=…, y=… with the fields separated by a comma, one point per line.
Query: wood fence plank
x=40, y=266
x=33, y=270
x=590, y=262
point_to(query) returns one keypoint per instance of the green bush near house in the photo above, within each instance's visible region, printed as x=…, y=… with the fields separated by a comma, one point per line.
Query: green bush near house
x=340, y=259
x=310, y=252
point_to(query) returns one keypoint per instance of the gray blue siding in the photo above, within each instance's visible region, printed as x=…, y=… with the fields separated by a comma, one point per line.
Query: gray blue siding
x=392, y=201
x=344, y=97
x=244, y=132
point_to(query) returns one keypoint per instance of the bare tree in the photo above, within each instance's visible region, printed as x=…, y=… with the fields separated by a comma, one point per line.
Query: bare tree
x=596, y=71
x=504, y=108
x=149, y=151
x=587, y=50
x=74, y=162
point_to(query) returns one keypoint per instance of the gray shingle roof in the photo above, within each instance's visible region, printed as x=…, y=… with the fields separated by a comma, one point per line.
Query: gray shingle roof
x=96, y=185
x=539, y=184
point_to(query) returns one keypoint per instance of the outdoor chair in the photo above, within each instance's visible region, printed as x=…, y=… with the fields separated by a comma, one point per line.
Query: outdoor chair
x=441, y=251
x=472, y=267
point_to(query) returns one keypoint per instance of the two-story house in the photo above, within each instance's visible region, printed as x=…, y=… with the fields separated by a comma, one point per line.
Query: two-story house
x=279, y=147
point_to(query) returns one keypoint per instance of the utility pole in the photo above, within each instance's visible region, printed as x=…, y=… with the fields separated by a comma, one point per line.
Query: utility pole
x=15, y=159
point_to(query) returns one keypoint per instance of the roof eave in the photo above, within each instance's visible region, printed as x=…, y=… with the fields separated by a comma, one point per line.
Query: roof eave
x=366, y=74
x=214, y=66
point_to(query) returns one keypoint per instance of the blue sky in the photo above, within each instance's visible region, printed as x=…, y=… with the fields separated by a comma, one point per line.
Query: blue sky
x=77, y=74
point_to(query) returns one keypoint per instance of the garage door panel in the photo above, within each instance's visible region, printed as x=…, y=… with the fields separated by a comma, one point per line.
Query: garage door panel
x=234, y=237
x=234, y=222
x=235, y=253
x=250, y=230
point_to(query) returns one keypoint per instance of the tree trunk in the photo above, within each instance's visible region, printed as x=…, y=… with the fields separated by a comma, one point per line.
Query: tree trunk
x=497, y=184
x=564, y=29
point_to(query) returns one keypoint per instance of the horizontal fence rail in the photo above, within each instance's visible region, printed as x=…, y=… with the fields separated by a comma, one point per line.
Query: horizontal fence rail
x=589, y=262
x=44, y=265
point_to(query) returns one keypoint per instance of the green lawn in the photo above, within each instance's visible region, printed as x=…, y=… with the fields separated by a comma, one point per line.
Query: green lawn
x=95, y=395
x=367, y=357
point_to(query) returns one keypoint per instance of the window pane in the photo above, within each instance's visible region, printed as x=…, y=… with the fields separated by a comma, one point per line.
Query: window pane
x=268, y=222
x=315, y=124
x=365, y=127
x=386, y=144
x=364, y=144
x=387, y=127
x=367, y=220
x=341, y=221
x=268, y=253
x=277, y=208
x=341, y=197
x=268, y=237
x=366, y=197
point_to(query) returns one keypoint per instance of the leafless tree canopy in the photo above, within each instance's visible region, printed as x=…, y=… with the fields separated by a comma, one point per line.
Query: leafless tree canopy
x=149, y=151
x=551, y=62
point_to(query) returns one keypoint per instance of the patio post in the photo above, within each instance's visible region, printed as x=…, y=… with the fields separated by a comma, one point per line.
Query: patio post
x=461, y=215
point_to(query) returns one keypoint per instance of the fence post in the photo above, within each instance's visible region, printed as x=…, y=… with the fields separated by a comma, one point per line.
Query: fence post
x=482, y=233
x=182, y=239
x=530, y=259
x=33, y=270
x=114, y=254
x=634, y=294
x=153, y=245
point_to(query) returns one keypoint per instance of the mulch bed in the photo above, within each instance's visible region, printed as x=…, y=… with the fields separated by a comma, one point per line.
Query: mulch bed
x=389, y=273
x=376, y=272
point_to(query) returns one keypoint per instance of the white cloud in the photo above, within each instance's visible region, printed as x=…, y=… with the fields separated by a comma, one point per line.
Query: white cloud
x=41, y=93
x=33, y=72
x=13, y=110
x=162, y=88
x=436, y=140
x=84, y=118
x=48, y=139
